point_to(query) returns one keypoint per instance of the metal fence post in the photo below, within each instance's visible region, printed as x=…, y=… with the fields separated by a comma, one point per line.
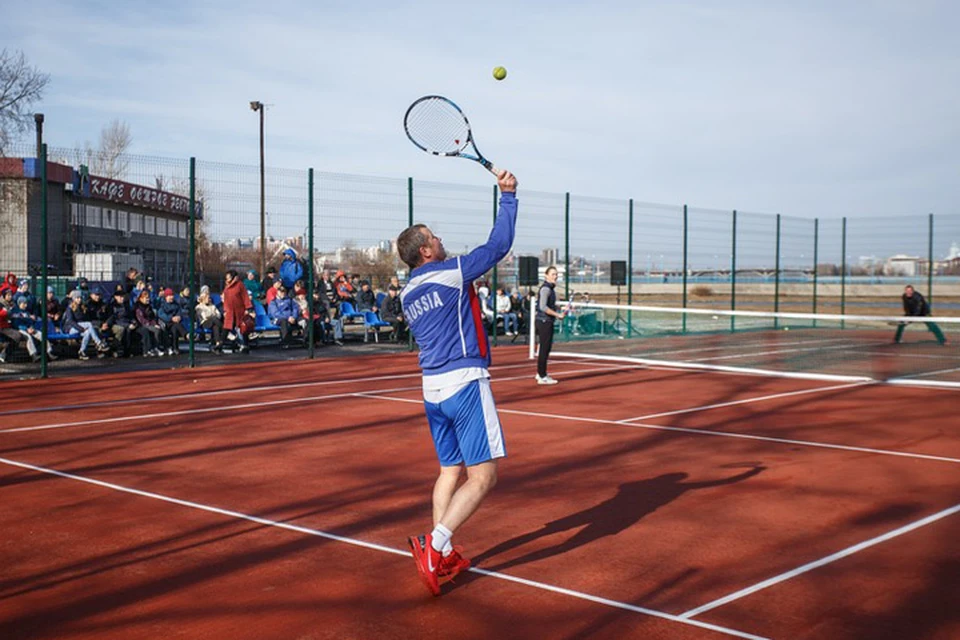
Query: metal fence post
x=685, y=239
x=192, y=258
x=43, y=260
x=493, y=293
x=410, y=345
x=816, y=258
x=630, y=269
x=930, y=261
x=733, y=272
x=843, y=270
x=310, y=265
x=566, y=245
x=776, y=277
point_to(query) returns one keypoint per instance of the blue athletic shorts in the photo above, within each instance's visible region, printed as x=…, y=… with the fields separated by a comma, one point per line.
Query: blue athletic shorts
x=465, y=427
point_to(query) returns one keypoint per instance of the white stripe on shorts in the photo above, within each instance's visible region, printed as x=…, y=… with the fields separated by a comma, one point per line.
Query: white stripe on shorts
x=491, y=419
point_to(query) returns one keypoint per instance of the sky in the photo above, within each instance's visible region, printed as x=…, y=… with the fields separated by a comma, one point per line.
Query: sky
x=802, y=108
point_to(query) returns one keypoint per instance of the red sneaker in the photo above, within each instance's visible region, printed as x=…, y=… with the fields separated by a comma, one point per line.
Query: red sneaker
x=428, y=561
x=453, y=564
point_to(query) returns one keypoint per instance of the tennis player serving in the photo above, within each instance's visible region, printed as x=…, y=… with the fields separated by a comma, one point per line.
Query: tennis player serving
x=443, y=312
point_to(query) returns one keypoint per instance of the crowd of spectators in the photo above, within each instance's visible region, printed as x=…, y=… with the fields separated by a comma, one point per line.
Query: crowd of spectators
x=136, y=317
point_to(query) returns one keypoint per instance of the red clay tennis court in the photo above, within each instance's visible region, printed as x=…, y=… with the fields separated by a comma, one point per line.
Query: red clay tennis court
x=274, y=500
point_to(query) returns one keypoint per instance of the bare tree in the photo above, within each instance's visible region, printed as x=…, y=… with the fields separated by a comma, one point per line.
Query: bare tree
x=109, y=159
x=20, y=87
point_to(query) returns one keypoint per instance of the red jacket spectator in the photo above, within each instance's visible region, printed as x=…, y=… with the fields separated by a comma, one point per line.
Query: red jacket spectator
x=236, y=302
x=272, y=291
x=10, y=282
x=345, y=290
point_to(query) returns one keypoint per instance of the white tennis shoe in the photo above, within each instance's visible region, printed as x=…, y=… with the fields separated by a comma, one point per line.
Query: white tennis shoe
x=545, y=380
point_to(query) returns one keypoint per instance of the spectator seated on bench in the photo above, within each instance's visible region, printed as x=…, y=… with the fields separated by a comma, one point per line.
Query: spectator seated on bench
x=170, y=314
x=392, y=312
x=209, y=318
x=121, y=324
x=285, y=313
x=75, y=319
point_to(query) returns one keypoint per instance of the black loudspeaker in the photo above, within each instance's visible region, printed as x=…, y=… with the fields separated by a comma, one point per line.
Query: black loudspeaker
x=618, y=273
x=529, y=271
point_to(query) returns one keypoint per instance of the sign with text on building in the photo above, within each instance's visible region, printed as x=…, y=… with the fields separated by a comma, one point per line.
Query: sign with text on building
x=140, y=196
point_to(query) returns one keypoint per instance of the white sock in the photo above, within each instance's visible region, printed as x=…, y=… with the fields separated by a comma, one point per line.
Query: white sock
x=441, y=537
x=447, y=549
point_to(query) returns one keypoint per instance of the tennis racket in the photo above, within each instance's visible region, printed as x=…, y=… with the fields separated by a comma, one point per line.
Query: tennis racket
x=438, y=126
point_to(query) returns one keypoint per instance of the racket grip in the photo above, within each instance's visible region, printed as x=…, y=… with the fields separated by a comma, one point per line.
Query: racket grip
x=492, y=168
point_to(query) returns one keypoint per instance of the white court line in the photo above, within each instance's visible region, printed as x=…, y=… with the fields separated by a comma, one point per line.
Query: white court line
x=707, y=407
x=925, y=384
x=267, y=403
x=757, y=354
x=741, y=345
x=705, y=432
x=377, y=547
x=821, y=562
x=736, y=370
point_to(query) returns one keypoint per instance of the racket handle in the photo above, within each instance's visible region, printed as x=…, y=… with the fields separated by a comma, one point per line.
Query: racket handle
x=490, y=167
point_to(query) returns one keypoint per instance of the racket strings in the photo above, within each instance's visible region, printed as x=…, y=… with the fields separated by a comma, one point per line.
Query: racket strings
x=438, y=126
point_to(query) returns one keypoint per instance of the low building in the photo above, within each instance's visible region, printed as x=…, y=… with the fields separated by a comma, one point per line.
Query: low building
x=89, y=214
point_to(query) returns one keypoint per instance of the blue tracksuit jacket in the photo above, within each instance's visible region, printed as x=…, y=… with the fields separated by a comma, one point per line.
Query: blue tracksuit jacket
x=441, y=307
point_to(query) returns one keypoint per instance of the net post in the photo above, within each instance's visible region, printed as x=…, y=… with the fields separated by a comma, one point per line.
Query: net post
x=493, y=293
x=930, y=260
x=843, y=270
x=685, y=239
x=776, y=277
x=43, y=260
x=816, y=257
x=310, y=266
x=733, y=272
x=193, y=264
x=630, y=269
x=410, y=346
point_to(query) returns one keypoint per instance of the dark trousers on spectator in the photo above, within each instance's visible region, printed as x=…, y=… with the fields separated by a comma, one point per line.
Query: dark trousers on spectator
x=215, y=327
x=121, y=334
x=9, y=337
x=285, y=330
x=545, y=334
x=399, y=329
x=173, y=332
x=322, y=331
x=151, y=338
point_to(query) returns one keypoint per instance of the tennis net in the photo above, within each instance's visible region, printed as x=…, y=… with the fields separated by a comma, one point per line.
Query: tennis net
x=798, y=345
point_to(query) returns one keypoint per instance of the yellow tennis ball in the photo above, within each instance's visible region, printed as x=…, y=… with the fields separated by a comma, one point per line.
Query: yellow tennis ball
x=499, y=73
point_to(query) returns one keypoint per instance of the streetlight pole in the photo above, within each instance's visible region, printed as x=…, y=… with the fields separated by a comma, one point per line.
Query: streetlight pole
x=256, y=105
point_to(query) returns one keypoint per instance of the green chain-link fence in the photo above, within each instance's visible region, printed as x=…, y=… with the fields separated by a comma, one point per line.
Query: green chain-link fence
x=107, y=215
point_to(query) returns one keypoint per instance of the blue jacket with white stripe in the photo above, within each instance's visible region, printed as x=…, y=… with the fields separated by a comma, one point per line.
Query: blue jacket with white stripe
x=441, y=307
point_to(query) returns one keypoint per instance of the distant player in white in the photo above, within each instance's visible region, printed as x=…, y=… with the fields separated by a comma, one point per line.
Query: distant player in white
x=444, y=315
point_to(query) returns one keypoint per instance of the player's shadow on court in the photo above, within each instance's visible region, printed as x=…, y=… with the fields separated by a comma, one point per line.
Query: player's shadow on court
x=633, y=501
